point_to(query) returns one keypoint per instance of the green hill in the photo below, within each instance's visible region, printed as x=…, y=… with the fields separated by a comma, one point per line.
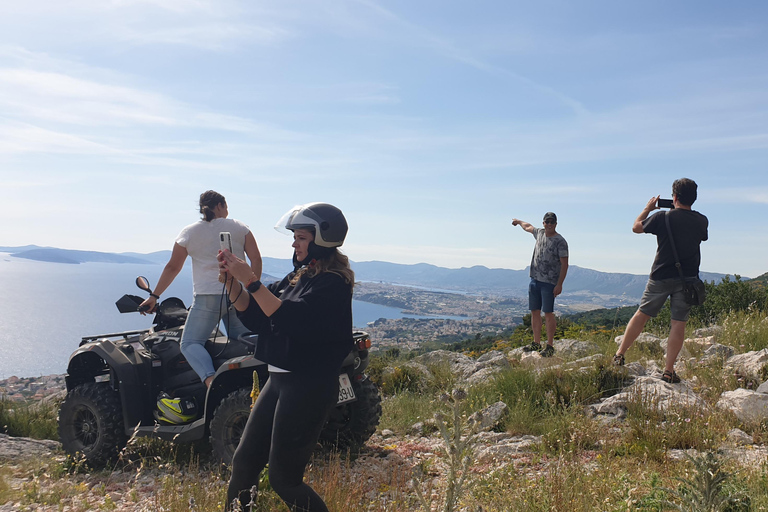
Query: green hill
x=760, y=281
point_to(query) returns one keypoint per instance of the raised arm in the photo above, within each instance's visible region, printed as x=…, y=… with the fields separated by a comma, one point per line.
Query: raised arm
x=637, y=227
x=525, y=225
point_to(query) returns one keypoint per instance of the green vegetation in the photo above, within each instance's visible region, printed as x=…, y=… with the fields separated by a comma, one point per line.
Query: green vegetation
x=580, y=465
x=29, y=419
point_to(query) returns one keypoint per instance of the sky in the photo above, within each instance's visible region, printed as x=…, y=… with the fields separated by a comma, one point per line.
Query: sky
x=431, y=124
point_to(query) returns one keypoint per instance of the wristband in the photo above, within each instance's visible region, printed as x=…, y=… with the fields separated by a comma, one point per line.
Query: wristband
x=157, y=297
x=253, y=286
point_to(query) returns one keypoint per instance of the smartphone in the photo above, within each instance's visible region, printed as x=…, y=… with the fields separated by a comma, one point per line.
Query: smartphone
x=225, y=240
x=666, y=203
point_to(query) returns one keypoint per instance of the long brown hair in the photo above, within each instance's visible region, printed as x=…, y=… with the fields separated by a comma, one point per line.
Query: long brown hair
x=209, y=200
x=336, y=263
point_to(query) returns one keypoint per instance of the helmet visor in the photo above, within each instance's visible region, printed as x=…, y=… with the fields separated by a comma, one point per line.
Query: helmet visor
x=295, y=218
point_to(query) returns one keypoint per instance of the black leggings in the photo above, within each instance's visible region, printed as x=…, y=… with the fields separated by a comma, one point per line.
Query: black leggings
x=282, y=430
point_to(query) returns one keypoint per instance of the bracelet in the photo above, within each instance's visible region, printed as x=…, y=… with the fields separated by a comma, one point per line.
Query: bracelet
x=252, y=279
x=157, y=297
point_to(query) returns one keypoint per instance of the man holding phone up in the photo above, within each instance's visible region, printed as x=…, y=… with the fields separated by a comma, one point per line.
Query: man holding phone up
x=689, y=229
x=549, y=265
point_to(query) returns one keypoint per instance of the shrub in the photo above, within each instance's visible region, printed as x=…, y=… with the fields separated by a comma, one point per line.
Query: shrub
x=37, y=420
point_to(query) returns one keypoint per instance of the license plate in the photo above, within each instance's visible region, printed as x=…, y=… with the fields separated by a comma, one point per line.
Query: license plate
x=346, y=393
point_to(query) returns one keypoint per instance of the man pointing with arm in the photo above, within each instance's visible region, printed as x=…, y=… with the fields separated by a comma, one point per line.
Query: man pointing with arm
x=549, y=266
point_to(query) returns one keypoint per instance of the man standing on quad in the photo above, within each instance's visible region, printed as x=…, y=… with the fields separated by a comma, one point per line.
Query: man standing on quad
x=549, y=265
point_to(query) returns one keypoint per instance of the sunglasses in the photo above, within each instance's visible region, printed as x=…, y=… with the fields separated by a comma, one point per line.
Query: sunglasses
x=550, y=221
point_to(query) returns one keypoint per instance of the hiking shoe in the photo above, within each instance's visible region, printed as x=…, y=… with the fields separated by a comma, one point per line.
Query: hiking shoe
x=618, y=360
x=670, y=377
x=533, y=347
x=548, y=351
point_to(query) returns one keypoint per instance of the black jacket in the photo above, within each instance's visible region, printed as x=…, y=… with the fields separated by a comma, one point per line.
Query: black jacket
x=311, y=332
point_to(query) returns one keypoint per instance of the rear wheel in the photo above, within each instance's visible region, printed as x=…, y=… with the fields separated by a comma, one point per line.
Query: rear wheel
x=228, y=423
x=350, y=425
x=91, y=423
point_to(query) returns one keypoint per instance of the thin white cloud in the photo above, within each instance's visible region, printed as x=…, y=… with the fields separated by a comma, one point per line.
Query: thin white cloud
x=450, y=50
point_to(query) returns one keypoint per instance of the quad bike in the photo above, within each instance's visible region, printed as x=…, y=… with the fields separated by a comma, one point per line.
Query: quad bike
x=114, y=381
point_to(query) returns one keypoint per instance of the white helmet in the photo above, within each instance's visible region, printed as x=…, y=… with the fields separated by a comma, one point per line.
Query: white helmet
x=325, y=220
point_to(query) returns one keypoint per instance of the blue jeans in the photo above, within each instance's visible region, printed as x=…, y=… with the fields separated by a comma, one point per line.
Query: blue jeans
x=541, y=296
x=203, y=318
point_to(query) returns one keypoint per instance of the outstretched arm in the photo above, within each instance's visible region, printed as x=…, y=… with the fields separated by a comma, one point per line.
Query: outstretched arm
x=525, y=225
x=171, y=270
x=637, y=227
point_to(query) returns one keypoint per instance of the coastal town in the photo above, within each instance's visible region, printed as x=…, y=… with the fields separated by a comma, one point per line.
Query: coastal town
x=445, y=316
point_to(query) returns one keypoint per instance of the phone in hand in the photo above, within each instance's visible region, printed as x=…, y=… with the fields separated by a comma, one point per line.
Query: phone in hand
x=225, y=241
x=666, y=203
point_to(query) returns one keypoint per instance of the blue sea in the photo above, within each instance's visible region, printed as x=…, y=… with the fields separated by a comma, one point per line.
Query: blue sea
x=45, y=308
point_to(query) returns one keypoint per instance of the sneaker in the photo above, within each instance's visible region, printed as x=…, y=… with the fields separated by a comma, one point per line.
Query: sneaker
x=548, y=351
x=670, y=377
x=618, y=360
x=533, y=347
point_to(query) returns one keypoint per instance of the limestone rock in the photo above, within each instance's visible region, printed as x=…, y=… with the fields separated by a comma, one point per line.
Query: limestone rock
x=644, y=337
x=746, y=404
x=489, y=417
x=655, y=392
x=712, y=330
x=575, y=349
x=718, y=351
x=750, y=363
x=762, y=388
x=13, y=448
x=739, y=437
x=504, y=446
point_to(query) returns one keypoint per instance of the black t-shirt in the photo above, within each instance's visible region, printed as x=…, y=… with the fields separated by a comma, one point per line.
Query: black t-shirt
x=311, y=331
x=689, y=229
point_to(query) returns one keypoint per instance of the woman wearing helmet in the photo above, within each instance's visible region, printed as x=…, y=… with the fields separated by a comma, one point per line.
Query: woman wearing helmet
x=304, y=324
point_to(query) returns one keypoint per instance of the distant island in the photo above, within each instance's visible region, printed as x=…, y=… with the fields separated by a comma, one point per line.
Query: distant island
x=71, y=257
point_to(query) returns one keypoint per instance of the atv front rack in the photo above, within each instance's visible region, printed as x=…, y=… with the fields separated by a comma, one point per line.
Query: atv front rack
x=124, y=335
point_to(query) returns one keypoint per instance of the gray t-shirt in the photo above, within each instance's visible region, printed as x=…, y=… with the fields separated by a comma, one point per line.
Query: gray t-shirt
x=545, y=263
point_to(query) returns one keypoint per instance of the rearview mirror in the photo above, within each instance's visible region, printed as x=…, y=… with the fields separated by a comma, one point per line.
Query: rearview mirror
x=143, y=283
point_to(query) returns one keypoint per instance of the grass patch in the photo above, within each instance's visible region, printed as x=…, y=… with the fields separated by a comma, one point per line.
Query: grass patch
x=401, y=411
x=29, y=419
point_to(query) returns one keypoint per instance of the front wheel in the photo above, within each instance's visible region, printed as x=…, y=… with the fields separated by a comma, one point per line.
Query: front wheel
x=91, y=423
x=350, y=425
x=228, y=424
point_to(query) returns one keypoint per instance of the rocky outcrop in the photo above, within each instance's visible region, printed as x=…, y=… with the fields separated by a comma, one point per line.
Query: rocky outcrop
x=15, y=448
x=750, y=363
x=747, y=405
x=654, y=393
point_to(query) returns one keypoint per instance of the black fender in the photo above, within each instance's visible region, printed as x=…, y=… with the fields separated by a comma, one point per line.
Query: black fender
x=126, y=369
x=235, y=374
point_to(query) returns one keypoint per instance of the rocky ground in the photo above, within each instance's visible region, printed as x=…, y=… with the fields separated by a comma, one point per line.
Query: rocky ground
x=387, y=454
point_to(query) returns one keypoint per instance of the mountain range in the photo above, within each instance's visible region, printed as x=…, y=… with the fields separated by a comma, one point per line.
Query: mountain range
x=583, y=285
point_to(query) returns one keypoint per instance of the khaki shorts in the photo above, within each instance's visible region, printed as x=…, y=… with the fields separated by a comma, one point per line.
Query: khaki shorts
x=656, y=293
